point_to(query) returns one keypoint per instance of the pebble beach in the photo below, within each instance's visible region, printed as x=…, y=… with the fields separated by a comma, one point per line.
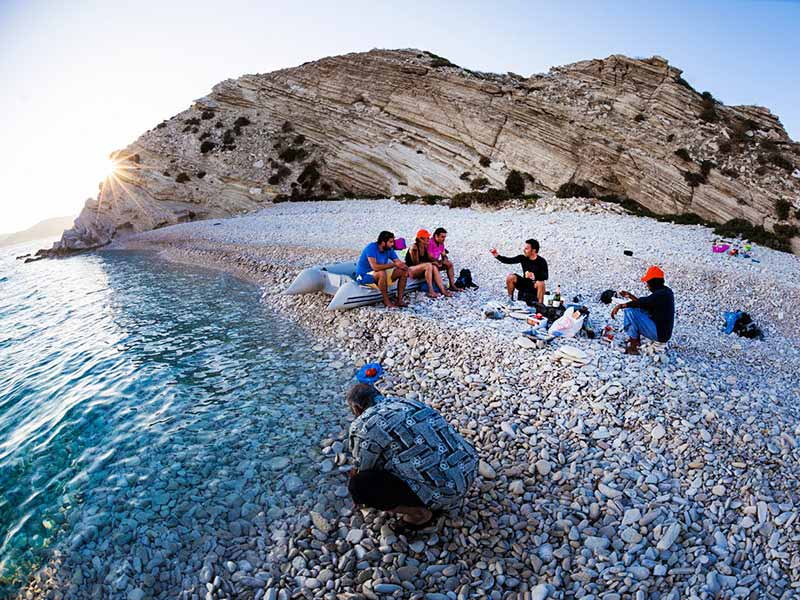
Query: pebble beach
x=665, y=476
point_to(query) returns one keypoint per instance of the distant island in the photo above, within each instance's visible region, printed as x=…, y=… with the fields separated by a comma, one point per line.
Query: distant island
x=43, y=229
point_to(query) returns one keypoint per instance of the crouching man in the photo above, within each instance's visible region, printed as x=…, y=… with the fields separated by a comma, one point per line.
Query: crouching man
x=651, y=316
x=408, y=459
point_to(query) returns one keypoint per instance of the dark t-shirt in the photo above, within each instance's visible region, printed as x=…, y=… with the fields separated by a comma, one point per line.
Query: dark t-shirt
x=660, y=305
x=537, y=266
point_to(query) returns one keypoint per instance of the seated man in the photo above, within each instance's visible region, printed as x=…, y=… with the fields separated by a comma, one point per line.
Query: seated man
x=420, y=264
x=534, y=271
x=379, y=265
x=652, y=316
x=408, y=459
x=438, y=254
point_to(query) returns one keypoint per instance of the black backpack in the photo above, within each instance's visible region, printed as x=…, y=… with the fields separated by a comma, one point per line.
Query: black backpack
x=746, y=327
x=465, y=280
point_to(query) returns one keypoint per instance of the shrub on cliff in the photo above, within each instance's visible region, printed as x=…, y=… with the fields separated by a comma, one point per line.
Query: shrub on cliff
x=465, y=176
x=639, y=118
x=207, y=114
x=780, y=161
x=683, y=153
x=292, y=154
x=484, y=161
x=694, y=179
x=479, y=183
x=282, y=173
x=200, y=174
x=782, y=208
x=207, y=147
x=573, y=190
x=309, y=176
x=515, y=184
x=182, y=178
x=287, y=127
x=706, y=166
x=241, y=122
x=193, y=121
x=299, y=140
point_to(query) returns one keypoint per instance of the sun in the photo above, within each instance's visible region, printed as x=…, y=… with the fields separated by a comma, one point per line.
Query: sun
x=108, y=167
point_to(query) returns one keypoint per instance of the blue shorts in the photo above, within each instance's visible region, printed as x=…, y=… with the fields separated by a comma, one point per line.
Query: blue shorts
x=365, y=279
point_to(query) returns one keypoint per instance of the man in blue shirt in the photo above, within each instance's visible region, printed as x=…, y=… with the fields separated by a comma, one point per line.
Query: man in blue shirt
x=379, y=265
x=651, y=316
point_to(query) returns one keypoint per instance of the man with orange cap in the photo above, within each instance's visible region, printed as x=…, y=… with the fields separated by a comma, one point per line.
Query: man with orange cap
x=651, y=316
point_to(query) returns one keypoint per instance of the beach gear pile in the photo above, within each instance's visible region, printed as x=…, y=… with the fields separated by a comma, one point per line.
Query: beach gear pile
x=735, y=248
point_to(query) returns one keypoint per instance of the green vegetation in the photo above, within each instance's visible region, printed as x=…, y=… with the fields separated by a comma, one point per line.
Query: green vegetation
x=640, y=117
x=491, y=197
x=207, y=147
x=207, y=114
x=782, y=208
x=515, y=184
x=757, y=234
x=709, y=112
x=200, y=174
x=694, y=179
x=282, y=173
x=182, y=178
x=291, y=154
x=780, y=161
x=309, y=176
x=479, y=183
x=439, y=61
x=465, y=176
x=484, y=161
x=573, y=190
x=684, y=154
x=287, y=127
x=299, y=140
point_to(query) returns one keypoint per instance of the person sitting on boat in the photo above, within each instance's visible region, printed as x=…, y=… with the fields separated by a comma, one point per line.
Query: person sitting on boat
x=439, y=257
x=379, y=265
x=652, y=316
x=421, y=264
x=408, y=459
x=534, y=271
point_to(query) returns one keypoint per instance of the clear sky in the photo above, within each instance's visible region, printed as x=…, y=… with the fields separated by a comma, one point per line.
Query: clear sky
x=80, y=79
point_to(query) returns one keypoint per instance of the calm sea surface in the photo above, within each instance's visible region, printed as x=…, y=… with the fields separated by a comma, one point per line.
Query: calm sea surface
x=128, y=386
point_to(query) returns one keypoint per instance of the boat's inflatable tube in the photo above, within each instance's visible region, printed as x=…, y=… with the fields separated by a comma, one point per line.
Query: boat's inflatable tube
x=309, y=280
x=351, y=294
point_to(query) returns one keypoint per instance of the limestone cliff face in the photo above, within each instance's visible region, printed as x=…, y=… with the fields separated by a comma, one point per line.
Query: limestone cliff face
x=403, y=121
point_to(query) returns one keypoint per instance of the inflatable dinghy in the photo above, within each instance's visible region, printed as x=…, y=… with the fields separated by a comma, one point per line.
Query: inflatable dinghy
x=339, y=280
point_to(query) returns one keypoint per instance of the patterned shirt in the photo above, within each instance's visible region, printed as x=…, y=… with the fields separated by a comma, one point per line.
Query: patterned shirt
x=412, y=441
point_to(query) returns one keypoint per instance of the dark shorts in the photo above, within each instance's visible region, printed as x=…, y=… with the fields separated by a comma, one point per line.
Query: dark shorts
x=524, y=284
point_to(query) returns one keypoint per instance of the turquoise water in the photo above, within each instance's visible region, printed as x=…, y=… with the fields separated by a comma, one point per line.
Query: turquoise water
x=132, y=391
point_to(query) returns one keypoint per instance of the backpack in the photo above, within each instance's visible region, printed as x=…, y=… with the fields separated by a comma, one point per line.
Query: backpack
x=742, y=324
x=465, y=279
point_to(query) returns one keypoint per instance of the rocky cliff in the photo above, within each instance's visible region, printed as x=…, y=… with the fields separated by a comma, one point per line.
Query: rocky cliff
x=390, y=122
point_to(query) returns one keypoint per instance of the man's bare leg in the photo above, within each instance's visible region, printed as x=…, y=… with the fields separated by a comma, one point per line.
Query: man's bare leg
x=380, y=279
x=401, y=277
x=511, y=279
x=539, y=285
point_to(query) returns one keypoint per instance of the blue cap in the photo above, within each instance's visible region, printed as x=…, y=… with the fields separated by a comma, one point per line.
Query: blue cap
x=362, y=373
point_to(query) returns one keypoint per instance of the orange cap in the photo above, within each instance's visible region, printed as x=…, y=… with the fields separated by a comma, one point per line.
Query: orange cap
x=423, y=233
x=653, y=273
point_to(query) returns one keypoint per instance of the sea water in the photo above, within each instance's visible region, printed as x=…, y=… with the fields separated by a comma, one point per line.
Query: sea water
x=139, y=398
